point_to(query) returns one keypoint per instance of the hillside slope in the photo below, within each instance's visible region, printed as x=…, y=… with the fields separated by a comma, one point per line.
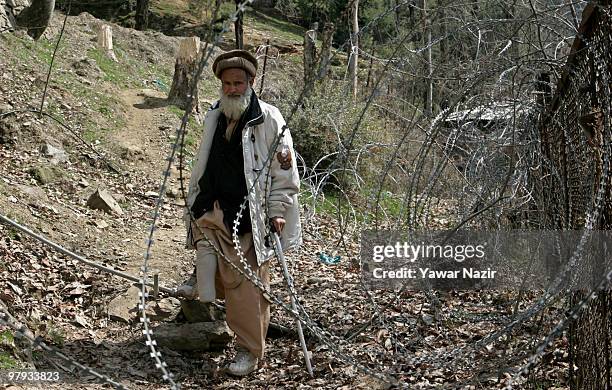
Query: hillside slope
x=115, y=129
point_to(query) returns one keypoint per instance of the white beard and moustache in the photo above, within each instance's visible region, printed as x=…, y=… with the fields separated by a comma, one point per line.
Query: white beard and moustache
x=233, y=107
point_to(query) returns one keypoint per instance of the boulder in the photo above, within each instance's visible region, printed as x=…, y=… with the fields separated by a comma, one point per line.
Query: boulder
x=102, y=200
x=195, y=311
x=124, y=307
x=87, y=67
x=9, y=126
x=45, y=175
x=201, y=336
x=56, y=154
x=166, y=309
x=34, y=195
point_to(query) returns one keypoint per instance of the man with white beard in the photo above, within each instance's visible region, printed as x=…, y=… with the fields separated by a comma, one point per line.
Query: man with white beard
x=245, y=155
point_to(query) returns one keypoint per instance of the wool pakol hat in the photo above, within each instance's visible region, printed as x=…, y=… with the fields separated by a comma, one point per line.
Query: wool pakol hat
x=235, y=59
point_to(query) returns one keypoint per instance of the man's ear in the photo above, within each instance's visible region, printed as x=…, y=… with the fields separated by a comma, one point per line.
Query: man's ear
x=251, y=81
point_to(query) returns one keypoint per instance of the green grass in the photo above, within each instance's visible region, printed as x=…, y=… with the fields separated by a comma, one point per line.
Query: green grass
x=6, y=338
x=193, y=130
x=56, y=335
x=178, y=9
x=113, y=71
x=26, y=51
x=275, y=27
x=7, y=361
x=329, y=203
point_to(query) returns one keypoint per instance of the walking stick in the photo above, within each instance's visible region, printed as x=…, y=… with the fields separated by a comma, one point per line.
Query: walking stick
x=281, y=258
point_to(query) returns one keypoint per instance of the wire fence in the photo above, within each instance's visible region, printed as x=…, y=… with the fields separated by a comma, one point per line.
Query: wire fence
x=506, y=158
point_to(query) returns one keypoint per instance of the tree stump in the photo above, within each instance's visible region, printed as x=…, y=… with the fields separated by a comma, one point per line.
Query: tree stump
x=36, y=17
x=184, y=73
x=105, y=41
x=310, y=54
x=325, y=56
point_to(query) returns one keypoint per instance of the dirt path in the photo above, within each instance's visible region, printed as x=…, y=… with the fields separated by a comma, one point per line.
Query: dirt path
x=145, y=143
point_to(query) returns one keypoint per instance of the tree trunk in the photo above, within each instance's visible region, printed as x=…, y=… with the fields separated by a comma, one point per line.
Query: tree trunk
x=184, y=72
x=238, y=28
x=325, y=56
x=142, y=14
x=428, y=61
x=105, y=41
x=310, y=55
x=353, y=65
x=36, y=17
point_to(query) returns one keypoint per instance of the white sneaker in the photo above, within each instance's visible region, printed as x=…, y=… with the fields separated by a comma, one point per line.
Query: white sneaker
x=188, y=289
x=244, y=363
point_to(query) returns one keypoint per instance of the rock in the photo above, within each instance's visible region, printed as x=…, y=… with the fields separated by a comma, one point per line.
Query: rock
x=151, y=194
x=201, y=336
x=100, y=223
x=57, y=155
x=132, y=152
x=83, y=183
x=124, y=307
x=427, y=319
x=164, y=309
x=87, y=67
x=172, y=193
x=35, y=195
x=5, y=107
x=195, y=311
x=102, y=200
x=317, y=280
x=8, y=129
x=120, y=198
x=45, y=175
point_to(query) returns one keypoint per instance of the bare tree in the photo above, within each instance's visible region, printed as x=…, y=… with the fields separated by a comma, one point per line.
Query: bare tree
x=310, y=53
x=428, y=61
x=326, y=45
x=238, y=27
x=142, y=14
x=354, y=59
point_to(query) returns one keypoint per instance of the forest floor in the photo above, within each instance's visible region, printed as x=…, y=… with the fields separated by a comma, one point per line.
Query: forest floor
x=117, y=116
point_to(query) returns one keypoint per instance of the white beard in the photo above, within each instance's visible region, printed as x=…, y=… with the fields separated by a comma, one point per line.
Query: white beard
x=233, y=107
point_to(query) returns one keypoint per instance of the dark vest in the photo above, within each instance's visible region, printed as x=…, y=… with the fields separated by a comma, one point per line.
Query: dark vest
x=223, y=180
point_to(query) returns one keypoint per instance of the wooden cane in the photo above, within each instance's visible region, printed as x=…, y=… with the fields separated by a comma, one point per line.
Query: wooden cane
x=281, y=259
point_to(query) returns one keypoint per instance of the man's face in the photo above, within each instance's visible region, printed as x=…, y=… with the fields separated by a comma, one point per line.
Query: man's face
x=234, y=82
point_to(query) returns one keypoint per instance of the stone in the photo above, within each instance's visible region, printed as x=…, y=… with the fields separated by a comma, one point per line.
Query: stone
x=56, y=154
x=5, y=107
x=201, y=336
x=35, y=195
x=166, y=309
x=172, y=193
x=9, y=128
x=197, y=311
x=100, y=223
x=45, y=175
x=102, y=200
x=87, y=67
x=124, y=307
x=427, y=319
x=132, y=152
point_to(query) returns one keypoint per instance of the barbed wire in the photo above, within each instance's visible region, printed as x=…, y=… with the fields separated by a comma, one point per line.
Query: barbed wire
x=7, y=319
x=478, y=194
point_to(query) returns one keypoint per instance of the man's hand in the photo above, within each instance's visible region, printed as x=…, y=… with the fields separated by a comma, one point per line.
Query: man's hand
x=278, y=223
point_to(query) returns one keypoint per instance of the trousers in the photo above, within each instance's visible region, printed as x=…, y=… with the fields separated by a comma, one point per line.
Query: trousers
x=247, y=311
